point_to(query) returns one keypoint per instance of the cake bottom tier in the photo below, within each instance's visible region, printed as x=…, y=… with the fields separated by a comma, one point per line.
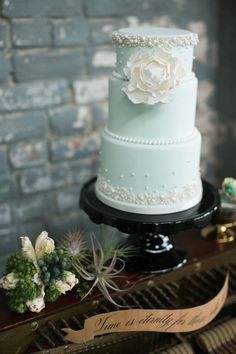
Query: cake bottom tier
x=150, y=179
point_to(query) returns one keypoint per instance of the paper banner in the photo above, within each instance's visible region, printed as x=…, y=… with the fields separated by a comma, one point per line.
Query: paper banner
x=139, y=320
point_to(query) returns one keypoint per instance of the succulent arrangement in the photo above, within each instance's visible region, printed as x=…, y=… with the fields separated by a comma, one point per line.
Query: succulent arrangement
x=41, y=273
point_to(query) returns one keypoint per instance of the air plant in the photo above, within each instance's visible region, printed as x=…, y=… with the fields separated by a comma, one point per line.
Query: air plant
x=101, y=264
x=76, y=247
x=123, y=249
x=100, y=272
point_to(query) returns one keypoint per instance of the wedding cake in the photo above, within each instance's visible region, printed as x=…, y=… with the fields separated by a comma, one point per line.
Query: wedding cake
x=150, y=148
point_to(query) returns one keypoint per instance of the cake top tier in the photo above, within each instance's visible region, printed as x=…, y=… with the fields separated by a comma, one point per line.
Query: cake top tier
x=152, y=36
x=128, y=41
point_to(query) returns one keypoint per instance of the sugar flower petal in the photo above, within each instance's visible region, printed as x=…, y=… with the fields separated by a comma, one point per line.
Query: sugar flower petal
x=44, y=244
x=27, y=248
x=37, y=304
x=9, y=281
x=68, y=282
x=151, y=77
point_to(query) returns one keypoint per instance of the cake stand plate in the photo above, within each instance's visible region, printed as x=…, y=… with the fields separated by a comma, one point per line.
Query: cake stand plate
x=150, y=233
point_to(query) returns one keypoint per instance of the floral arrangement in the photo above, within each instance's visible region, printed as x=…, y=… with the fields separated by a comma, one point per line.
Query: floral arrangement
x=43, y=272
x=151, y=77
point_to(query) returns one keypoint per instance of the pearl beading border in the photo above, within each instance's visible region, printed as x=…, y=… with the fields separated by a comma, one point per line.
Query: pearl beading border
x=149, y=141
x=124, y=195
x=190, y=39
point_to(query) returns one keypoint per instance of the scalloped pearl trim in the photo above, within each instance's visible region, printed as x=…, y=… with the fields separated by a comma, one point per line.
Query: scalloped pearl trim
x=147, y=198
x=147, y=41
x=149, y=141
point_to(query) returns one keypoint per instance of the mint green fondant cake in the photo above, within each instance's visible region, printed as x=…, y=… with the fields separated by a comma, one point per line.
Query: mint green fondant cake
x=150, y=148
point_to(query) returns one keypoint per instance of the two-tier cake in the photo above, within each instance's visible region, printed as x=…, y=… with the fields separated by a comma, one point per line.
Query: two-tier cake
x=150, y=148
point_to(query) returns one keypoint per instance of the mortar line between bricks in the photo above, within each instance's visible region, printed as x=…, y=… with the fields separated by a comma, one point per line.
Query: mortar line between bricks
x=25, y=18
x=8, y=41
x=50, y=34
x=9, y=53
x=73, y=98
x=36, y=50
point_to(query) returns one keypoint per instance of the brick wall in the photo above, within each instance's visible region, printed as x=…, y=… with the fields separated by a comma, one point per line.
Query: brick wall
x=55, y=57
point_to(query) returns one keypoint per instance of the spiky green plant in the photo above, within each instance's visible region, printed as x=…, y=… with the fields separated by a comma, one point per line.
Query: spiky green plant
x=76, y=247
x=100, y=273
x=110, y=244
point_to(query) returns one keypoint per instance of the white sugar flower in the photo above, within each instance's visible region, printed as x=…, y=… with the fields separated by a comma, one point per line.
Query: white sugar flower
x=9, y=281
x=44, y=244
x=68, y=282
x=28, y=249
x=151, y=77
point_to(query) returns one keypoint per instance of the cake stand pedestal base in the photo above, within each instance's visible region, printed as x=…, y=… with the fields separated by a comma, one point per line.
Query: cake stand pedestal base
x=156, y=254
x=150, y=233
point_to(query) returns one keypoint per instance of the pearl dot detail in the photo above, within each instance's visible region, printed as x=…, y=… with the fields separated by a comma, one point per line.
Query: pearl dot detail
x=147, y=197
x=189, y=39
x=149, y=141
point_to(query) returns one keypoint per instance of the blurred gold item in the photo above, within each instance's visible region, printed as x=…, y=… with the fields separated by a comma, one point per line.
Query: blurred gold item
x=222, y=233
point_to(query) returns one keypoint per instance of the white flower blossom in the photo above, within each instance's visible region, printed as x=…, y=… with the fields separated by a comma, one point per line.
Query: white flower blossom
x=43, y=244
x=37, y=304
x=9, y=281
x=151, y=77
x=27, y=249
x=68, y=282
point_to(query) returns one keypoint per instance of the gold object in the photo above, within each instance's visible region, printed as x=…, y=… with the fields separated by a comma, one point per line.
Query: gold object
x=224, y=232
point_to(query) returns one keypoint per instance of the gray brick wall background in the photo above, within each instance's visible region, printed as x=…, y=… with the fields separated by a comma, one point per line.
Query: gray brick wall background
x=55, y=58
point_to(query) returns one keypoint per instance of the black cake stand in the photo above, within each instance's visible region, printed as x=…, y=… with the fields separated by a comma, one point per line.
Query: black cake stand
x=150, y=233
